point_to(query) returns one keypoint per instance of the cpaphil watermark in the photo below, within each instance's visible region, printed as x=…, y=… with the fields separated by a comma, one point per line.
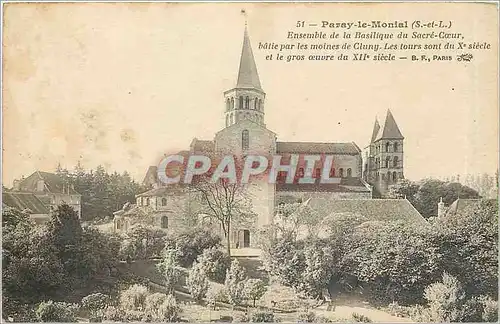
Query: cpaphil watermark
x=293, y=168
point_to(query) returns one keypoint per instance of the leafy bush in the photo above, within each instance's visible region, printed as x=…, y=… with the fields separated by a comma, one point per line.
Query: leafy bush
x=215, y=263
x=191, y=243
x=197, y=282
x=169, y=268
x=490, y=309
x=55, y=312
x=445, y=299
x=360, y=318
x=115, y=314
x=134, y=298
x=169, y=310
x=306, y=317
x=214, y=295
x=259, y=317
x=234, y=284
x=254, y=289
x=95, y=302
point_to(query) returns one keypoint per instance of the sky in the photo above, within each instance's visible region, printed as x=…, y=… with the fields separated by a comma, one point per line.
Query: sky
x=120, y=85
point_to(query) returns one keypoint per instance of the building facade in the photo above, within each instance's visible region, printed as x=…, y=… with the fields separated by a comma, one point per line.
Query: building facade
x=246, y=133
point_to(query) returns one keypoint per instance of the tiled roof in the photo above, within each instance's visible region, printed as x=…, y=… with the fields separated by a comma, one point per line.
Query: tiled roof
x=376, y=128
x=371, y=209
x=317, y=148
x=345, y=185
x=202, y=145
x=459, y=205
x=151, y=176
x=23, y=201
x=390, y=130
x=53, y=183
x=248, y=77
x=163, y=191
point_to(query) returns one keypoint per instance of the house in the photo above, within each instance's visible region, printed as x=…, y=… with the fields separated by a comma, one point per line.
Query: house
x=27, y=202
x=50, y=189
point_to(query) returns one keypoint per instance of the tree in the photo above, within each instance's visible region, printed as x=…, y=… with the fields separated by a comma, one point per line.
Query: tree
x=192, y=243
x=169, y=268
x=226, y=203
x=445, y=299
x=214, y=263
x=404, y=188
x=197, y=282
x=254, y=289
x=161, y=307
x=234, y=283
x=319, y=268
x=134, y=298
x=214, y=295
x=55, y=312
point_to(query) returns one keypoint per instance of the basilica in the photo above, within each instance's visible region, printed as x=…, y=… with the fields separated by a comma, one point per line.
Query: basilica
x=363, y=175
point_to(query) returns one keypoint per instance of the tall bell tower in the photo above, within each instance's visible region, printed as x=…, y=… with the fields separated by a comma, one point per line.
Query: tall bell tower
x=246, y=100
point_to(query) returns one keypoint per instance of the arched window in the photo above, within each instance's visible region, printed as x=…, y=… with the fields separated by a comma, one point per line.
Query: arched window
x=318, y=173
x=164, y=222
x=245, y=140
x=389, y=176
x=332, y=173
x=396, y=147
x=247, y=103
x=349, y=173
x=232, y=103
x=301, y=172
x=118, y=224
x=378, y=175
x=387, y=159
x=395, y=162
x=240, y=104
x=228, y=104
x=255, y=103
x=387, y=145
x=147, y=201
x=341, y=172
x=164, y=201
x=394, y=176
x=259, y=106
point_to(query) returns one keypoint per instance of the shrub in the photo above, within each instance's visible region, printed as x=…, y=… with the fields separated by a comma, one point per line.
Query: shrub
x=112, y=313
x=214, y=295
x=445, y=299
x=490, y=309
x=234, y=283
x=55, y=312
x=307, y=317
x=134, y=298
x=168, y=310
x=360, y=318
x=197, y=282
x=169, y=268
x=191, y=243
x=95, y=302
x=254, y=289
x=259, y=317
x=215, y=263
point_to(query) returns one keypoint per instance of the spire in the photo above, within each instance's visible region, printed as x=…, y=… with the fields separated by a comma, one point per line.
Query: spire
x=390, y=130
x=376, y=128
x=247, y=75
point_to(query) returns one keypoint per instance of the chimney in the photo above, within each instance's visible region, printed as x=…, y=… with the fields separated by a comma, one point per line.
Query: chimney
x=441, y=208
x=16, y=185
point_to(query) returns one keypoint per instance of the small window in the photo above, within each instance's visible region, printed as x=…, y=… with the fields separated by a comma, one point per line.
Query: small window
x=341, y=172
x=228, y=104
x=395, y=162
x=247, y=103
x=301, y=172
x=164, y=201
x=387, y=161
x=318, y=173
x=332, y=173
x=245, y=140
x=232, y=103
x=164, y=222
x=396, y=147
x=240, y=104
x=394, y=176
x=147, y=201
x=349, y=173
x=387, y=145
